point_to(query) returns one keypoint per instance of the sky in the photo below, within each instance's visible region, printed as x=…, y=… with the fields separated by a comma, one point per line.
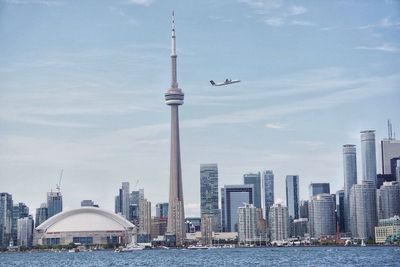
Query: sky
x=82, y=88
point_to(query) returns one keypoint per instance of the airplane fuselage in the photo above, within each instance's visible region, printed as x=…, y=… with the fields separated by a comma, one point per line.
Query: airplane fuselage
x=226, y=82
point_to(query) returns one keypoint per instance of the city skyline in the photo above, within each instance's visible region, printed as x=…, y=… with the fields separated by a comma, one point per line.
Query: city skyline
x=93, y=108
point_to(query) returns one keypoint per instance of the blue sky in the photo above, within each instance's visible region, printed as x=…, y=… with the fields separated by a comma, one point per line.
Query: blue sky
x=82, y=84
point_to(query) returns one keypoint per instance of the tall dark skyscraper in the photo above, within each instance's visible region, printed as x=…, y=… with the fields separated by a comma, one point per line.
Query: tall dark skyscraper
x=41, y=214
x=255, y=180
x=292, y=195
x=318, y=188
x=174, y=98
x=6, y=214
x=268, y=179
x=209, y=194
x=54, y=203
x=340, y=210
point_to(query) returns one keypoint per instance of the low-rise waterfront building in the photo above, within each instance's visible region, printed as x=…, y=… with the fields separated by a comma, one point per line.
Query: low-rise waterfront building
x=387, y=228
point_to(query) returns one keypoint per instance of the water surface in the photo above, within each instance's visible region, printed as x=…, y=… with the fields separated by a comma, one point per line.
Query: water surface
x=286, y=256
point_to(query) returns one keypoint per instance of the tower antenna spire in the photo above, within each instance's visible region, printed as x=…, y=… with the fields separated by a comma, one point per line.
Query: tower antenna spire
x=390, y=130
x=174, y=80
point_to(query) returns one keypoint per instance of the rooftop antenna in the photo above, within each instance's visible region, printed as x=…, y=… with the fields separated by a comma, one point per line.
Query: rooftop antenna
x=58, y=186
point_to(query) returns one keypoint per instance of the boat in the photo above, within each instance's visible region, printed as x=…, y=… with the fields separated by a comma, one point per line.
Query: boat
x=129, y=249
x=362, y=243
x=197, y=247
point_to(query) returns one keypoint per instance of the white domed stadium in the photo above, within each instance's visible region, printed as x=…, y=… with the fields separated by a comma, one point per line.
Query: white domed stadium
x=88, y=225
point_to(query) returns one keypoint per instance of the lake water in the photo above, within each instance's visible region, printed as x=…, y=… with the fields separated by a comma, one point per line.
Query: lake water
x=286, y=256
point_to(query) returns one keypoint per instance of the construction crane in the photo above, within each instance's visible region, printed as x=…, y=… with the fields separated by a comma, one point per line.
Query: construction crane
x=58, y=186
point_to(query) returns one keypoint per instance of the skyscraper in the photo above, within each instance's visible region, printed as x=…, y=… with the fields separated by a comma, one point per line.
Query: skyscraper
x=233, y=197
x=209, y=193
x=292, y=195
x=124, y=198
x=206, y=229
x=41, y=214
x=6, y=212
x=174, y=98
x=25, y=231
x=390, y=148
x=268, y=177
x=398, y=170
x=368, y=156
x=247, y=224
x=162, y=210
x=54, y=203
x=144, y=221
x=88, y=203
x=388, y=200
x=255, y=180
x=350, y=179
x=322, y=215
x=363, y=210
x=303, y=210
x=117, y=203
x=20, y=210
x=279, y=222
x=340, y=210
x=318, y=188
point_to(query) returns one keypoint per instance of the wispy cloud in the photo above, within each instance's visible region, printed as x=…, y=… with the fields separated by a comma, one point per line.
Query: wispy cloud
x=275, y=21
x=275, y=14
x=263, y=4
x=302, y=23
x=296, y=10
x=272, y=125
x=386, y=22
x=383, y=47
x=37, y=2
x=141, y=2
x=336, y=95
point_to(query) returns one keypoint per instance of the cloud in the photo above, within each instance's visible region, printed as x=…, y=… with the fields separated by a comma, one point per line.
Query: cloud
x=297, y=10
x=302, y=23
x=262, y=4
x=275, y=22
x=383, y=47
x=141, y=2
x=272, y=125
x=38, y=2
x=340, y=90
x=384, y=23
x=282, y=16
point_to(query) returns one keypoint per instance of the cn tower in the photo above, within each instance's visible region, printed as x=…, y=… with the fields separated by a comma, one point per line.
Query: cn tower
x=174, y=98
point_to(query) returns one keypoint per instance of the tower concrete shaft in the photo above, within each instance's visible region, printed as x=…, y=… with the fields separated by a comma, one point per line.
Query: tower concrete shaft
x=174, y=97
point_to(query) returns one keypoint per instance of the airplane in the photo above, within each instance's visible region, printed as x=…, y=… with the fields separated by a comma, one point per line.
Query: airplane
x=226, y=82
